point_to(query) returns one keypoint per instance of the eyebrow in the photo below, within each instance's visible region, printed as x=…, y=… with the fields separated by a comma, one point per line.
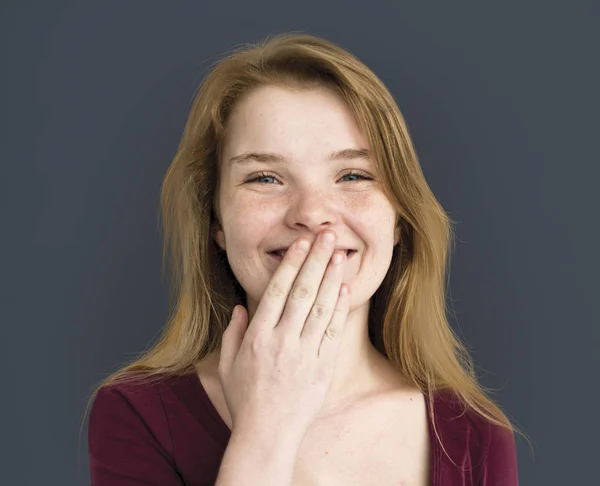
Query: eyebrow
x=345, y=154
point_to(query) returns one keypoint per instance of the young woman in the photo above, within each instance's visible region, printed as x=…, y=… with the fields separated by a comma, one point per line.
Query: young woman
x=338, y=365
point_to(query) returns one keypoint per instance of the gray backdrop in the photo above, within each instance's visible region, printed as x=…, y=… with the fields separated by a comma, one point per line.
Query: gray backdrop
x=502, y=103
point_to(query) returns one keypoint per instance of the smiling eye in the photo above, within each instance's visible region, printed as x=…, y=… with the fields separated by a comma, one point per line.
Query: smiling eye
x=260, y=176
x=358, y=174
x=263, y=175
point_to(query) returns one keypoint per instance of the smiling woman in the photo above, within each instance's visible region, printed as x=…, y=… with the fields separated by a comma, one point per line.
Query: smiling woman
x=339, y=365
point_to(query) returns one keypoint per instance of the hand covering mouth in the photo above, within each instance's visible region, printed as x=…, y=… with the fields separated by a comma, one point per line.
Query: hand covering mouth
x=282, y=251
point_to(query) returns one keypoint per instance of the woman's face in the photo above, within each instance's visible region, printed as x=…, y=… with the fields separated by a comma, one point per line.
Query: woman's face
x=304, y=193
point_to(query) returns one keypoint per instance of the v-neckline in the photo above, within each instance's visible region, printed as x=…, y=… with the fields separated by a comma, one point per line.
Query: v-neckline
x=200, y=403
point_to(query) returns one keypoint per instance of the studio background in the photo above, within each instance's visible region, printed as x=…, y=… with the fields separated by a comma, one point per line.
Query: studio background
x=501, y=101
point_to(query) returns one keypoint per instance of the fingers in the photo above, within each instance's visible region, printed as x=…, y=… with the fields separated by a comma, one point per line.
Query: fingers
x=233, y=337
x=326, y=301
x=273, y=302
x=306, y=287
x=331, y=338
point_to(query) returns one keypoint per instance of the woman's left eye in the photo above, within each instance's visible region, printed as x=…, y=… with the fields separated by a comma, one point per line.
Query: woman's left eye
x=264, y=175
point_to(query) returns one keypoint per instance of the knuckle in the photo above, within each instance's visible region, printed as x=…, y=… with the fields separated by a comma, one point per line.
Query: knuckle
x=301, y=292
x=285, y=342
x=275, y=290
x=319, y=310
x=331, y=332
x=283, y=346
x=339, y=311
x=257, y=342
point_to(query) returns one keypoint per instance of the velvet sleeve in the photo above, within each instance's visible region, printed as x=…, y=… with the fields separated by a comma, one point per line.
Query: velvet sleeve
x=128, y=441
x=500, y=461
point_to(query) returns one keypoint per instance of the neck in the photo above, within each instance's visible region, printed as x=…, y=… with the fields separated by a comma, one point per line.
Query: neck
x=360, y=370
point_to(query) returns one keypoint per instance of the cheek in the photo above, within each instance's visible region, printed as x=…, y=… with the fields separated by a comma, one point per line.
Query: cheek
x=250, y=273
x=248, y=206
x=374, y=214
x=246, y=217
x=243, y=267
x=368, y=201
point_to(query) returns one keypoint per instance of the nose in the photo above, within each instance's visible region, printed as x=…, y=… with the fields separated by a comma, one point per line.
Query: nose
x=313, y=211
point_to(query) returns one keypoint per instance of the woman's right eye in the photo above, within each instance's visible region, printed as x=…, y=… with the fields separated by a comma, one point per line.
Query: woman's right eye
x=262, y=175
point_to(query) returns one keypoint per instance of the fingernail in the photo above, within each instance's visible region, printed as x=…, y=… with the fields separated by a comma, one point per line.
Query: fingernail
x=328, y=239
x=303, y=245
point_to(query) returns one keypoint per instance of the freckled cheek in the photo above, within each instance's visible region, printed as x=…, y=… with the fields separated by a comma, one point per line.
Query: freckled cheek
x=247, y=231
x=363, y=202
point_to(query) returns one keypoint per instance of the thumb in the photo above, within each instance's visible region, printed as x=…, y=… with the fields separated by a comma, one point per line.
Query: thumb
x=233, y=337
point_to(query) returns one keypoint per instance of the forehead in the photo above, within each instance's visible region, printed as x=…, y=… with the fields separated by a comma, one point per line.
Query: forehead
x=295, y=123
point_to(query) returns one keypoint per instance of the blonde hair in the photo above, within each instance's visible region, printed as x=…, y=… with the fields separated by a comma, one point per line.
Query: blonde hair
x=407, y=321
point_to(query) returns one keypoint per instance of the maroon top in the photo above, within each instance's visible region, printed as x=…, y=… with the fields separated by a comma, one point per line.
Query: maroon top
x=170, y=434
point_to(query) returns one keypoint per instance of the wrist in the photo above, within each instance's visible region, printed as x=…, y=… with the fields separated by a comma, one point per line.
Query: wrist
x=269, y=439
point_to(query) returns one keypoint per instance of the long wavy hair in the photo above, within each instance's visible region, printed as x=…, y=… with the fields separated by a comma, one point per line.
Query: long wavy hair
x=407, y=320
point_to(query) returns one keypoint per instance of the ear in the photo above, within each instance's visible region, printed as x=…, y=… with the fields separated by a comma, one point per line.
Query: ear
x=220, y=239
x=396, y=235
x=219, y=235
